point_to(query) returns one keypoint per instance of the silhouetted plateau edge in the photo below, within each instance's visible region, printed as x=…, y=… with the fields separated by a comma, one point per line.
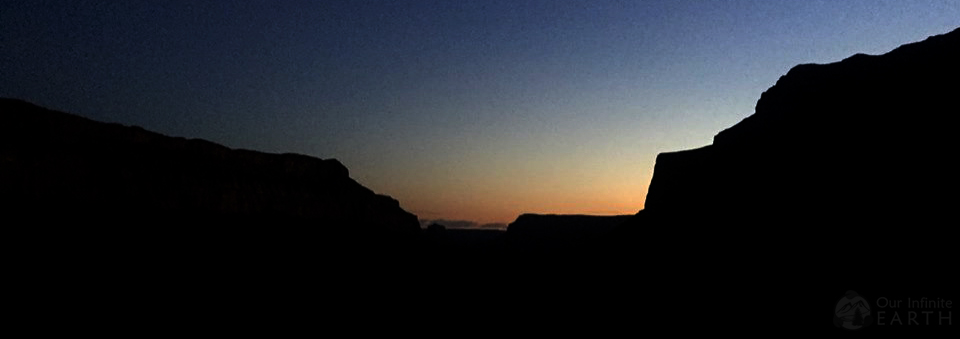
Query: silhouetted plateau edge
x=57, y=161
x=857, y=152
x=109, y=216
x=866, y=134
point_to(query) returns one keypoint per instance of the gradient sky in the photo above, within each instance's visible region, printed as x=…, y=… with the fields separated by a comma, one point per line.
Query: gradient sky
x=462, y=110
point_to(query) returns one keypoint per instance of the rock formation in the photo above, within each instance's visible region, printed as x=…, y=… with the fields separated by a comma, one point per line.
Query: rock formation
x=109, y=219
x=869, y=135
x=63, y=169
x=842, y=179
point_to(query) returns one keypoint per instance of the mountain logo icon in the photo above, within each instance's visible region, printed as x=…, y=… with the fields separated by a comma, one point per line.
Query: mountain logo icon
x=852, y=312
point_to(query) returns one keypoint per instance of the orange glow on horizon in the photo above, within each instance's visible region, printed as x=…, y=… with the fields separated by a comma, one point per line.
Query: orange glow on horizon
x=496, y=206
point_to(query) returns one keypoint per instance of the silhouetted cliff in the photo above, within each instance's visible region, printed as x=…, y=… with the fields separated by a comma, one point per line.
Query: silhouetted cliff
x=841, y=180
x=62, y=166
x=108, y=216
x=869, y=135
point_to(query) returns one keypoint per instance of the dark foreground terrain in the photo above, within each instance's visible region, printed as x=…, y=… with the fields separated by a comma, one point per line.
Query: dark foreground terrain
x=844, y=179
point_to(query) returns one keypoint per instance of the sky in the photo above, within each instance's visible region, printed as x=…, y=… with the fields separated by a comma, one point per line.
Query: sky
x=471, y=112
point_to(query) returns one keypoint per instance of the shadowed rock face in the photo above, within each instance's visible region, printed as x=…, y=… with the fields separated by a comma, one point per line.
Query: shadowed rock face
x=868, y=135
x=842, y=179
x=119, y=219
x=60, y=165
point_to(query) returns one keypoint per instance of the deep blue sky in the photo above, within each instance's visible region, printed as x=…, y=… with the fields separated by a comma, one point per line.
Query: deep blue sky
x=475, y=110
